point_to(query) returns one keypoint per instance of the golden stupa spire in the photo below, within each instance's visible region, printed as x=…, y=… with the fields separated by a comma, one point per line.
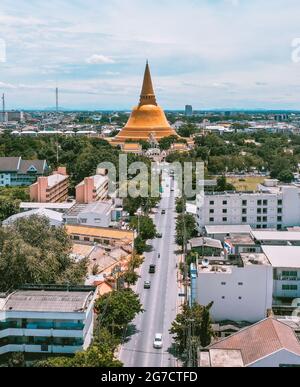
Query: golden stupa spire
x=147, y=94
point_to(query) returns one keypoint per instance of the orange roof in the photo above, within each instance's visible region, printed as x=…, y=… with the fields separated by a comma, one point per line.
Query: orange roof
x=132, y=147
x=261, y=340
x=100, y=232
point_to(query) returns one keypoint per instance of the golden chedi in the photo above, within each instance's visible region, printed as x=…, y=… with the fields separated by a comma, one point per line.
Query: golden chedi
x=147, y=120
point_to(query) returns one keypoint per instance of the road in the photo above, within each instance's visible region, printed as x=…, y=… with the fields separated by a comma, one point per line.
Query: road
x=160, y=301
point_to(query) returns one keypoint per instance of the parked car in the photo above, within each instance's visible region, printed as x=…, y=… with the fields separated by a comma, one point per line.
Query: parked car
x=158, y=341
x=159, y=235
x=163, y=212
x=152, y=269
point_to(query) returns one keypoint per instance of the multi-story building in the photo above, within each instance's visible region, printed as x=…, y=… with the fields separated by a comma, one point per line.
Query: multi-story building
x=241, y=288
x=16, y=172
x=51, y=189
x=51, y=320
x=92, y=189
x=188, y=110
x=271, y=207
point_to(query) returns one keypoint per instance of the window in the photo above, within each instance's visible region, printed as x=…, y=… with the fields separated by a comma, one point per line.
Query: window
x=259, y=218
x=244, y=211
x=211, y=219
x=265, y=219
x=259, y=210
x=211, y=203
x=224, y=202
x=244, y=219
x=265, y=226
x=244, y=202
x=223, y=298
x=224, y=219
x=293, y=274
x=265, y=210
x=240, y=298
x=224, y=211
x=86, y=239
x=211, y=211
x=76, y=238
x=259, y=202
x=279, y=210
x=280, y=202
x=289, y=287
x=265, y=202
x=241, y=283
x=279, y=219
x=223, y=283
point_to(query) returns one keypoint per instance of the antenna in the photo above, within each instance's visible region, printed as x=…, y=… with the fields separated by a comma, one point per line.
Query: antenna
x=56, y=95
x=3, y=108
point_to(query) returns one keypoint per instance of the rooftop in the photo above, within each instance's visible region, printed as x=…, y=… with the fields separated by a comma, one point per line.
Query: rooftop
x=100, y=232
x=283, y=256
x=242, y=239
x=48, y=301
x=286, y=236
x=261, y=340
x=228, y=229
x=48, y=206
x=51, y=215
x=98, y=180
x=96, y=207
x=206, y=242
x=56, y=179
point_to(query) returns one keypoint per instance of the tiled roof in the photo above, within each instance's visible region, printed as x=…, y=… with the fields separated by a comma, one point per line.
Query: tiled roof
x=16, y=164
x=261, y=340
x=9, y=164
x=99, y=232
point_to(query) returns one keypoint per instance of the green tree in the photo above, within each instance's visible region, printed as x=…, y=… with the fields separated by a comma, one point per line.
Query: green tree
x=117, y=309
x=145, y=226
x=140, y=245
x=192, y=327
x=223, y=185
x=185, y=227
x=32, y=252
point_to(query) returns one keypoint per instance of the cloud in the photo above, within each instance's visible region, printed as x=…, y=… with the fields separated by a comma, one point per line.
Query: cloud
x=199, y=51
x=99, y=59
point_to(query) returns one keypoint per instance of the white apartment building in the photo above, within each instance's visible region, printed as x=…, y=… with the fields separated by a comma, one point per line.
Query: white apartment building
x=241, y=289
x=56, y=321
x=285, y=261
x=274, y=207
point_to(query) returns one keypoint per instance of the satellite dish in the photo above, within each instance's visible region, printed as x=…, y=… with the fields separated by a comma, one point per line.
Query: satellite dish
x=205, y=263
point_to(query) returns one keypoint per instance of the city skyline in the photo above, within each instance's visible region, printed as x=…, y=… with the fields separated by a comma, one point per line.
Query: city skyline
x=230, y=55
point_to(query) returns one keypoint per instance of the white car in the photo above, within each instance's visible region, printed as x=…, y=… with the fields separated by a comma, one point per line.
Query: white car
x=158, y=341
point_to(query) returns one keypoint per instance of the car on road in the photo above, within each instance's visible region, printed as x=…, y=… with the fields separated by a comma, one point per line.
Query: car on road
x=152, y=269
x=158, y=341
x=147, y=285
x=159, y=235
x=163, y=212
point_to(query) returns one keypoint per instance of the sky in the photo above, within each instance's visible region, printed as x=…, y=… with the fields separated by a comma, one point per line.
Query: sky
x=225, y=54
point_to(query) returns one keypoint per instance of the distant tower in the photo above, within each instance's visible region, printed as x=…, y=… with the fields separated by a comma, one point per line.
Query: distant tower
x=56, y=94
x=3, y=108
x=188, y=110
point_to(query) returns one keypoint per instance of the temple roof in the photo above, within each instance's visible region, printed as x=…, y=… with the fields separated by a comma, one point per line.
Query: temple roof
x=147, y=119
x=147, y=93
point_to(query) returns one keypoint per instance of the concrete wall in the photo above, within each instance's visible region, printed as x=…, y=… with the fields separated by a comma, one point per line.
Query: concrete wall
x=256, y=292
